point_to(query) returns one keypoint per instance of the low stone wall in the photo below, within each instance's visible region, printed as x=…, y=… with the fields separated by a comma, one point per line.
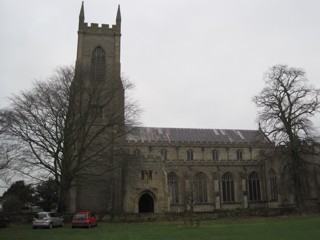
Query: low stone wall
x=152, y=217
x=216, y=214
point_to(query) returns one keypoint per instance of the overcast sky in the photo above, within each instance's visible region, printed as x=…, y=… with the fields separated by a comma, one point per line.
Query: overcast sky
x=195, y=63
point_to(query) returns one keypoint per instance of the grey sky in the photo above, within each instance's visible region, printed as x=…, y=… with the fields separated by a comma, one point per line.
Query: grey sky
x=196, y=63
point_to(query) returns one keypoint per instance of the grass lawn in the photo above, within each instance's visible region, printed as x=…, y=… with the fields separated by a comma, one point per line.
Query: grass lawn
x=306, y=228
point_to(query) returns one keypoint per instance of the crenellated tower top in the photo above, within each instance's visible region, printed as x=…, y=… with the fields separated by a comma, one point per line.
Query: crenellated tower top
x=100, y=44
x=103, y=28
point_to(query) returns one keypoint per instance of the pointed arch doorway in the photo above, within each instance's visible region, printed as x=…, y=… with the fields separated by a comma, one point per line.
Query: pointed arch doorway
x=146, y=203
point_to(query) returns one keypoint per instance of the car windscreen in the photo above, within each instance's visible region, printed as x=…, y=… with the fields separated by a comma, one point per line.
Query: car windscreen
x=80, y=217
x=40, y=216
x=53, y=215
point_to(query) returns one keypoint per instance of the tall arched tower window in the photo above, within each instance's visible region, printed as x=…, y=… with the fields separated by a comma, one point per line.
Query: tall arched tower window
x=227, y=187
x=98, y=64
x=173, y=186
x=254, y=187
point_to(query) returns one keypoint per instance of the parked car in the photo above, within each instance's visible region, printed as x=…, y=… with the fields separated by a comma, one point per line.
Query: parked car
x=84, y=219
x=4, y=222
x=47, y=219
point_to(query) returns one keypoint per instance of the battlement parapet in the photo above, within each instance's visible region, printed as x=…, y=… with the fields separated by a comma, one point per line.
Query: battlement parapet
x=97, y=28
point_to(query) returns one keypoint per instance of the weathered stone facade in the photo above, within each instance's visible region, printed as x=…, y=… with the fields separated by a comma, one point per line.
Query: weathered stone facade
x=185, y=168
x=98, y=110
x=174, y=169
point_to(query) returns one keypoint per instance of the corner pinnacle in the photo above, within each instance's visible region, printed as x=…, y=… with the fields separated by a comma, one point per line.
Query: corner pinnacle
x=118, y=14
x=81, y=15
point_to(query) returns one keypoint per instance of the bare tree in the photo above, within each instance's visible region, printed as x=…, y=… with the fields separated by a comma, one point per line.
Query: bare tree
x=4, y=156
x=286, y=105
x=61, y=126
x=11, y=152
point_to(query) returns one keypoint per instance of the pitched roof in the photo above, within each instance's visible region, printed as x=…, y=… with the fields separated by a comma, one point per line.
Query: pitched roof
x=149, y=134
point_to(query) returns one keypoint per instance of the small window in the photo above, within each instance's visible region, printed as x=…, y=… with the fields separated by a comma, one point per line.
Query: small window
x=215, y=155
x=164, y=154
x=190, y=154
x=146, y=175
x=136, y=152
x=239, y=155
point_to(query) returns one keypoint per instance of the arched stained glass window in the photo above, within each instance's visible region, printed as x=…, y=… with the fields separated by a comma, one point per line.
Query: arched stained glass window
x=227, y=183
x=254, y=187
x=173, y=186
x=273, y=185
x=201, y=188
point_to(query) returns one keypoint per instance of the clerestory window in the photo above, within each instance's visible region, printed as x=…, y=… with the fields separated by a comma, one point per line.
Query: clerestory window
x=239, y=155
x=164, y=154
x=190, y=154
x=136, y=152
x=215, y=155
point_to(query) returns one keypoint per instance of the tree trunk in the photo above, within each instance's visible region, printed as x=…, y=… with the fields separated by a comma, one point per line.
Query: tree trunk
x=64, y=194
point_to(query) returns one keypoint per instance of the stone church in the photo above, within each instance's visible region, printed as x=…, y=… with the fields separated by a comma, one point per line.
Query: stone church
x=174, y=169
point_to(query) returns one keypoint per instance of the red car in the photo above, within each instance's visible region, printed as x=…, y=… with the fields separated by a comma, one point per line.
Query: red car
x=84, y=219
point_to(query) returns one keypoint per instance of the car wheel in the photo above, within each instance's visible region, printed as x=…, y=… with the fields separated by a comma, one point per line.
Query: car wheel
x=73, y=226
x=34, y=227
x=50, y=225
x=62, y=223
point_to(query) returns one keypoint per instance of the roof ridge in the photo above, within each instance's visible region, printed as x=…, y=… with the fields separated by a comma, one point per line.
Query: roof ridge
x=196, y=135
x=224, y=129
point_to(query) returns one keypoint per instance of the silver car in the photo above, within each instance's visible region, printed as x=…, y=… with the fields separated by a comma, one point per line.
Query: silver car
x=47, y=219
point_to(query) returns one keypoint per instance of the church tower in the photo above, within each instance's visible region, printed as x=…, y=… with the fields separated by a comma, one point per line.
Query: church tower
x=99, y=47
x=98, y=118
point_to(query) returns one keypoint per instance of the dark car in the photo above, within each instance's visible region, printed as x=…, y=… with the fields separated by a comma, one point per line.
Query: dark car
x=84, y=219
x=4, y=222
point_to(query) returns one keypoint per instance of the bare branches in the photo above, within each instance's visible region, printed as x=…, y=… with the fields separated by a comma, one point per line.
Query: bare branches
x=286, y=104
x=68, y=125
x=36, y=120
